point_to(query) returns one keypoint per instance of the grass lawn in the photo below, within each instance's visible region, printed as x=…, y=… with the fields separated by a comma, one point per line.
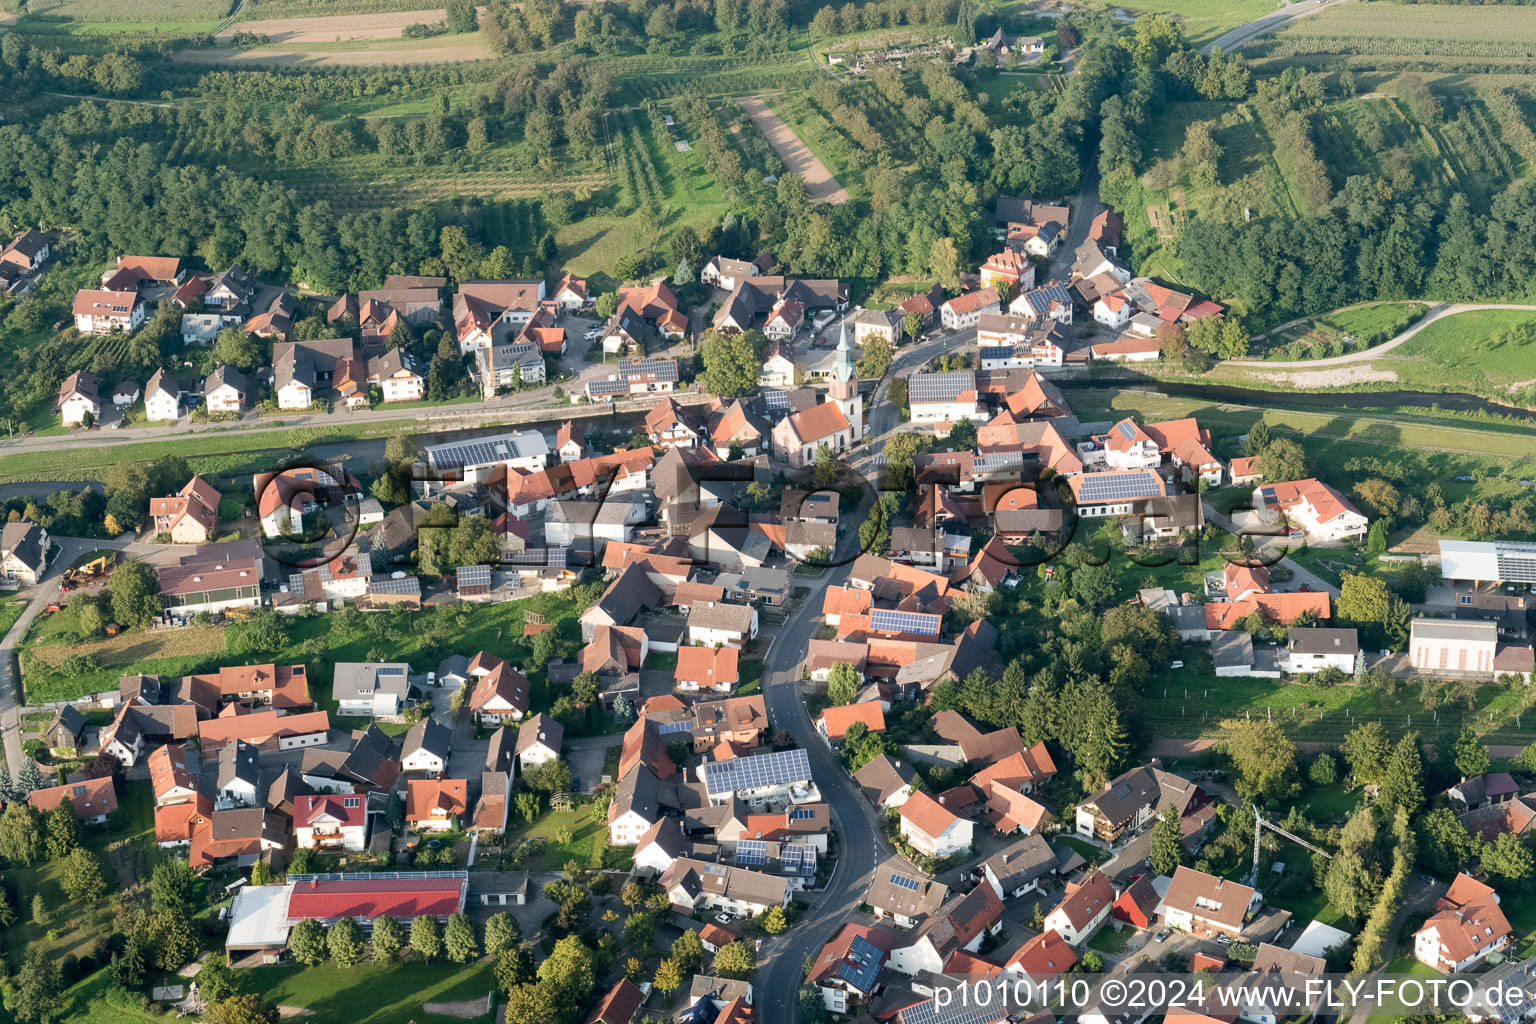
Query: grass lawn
x=1204, y=20
x=1108, y=940
x=1330, y=803
x=408, y=637
x=1092, y=854
x=125, y=847
x=10, y=611
x=372, y=993
x=589, y=835
x=1484, y=352
x=751, y=677
x=210, y=453
x=1366, y=325
x=1307, y=906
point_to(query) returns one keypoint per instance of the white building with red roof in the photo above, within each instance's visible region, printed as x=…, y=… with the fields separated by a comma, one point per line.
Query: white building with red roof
x=101, y=311
x=1312, y=506
x=932, y=829
x=1466, y=927
x=1086, y=906
x=331, y=821
x=91, y=799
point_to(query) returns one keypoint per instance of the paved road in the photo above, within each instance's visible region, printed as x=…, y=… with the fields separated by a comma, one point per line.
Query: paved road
x=1260, y=26
x=862, y=847
x=1436, y=312
x=39, y=596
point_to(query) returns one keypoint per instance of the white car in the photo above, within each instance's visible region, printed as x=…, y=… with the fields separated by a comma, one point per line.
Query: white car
x=724, y=918
x=592, y=333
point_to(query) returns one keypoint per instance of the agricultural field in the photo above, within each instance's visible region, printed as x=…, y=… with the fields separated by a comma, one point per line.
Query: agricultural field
x=1420, y=31
x=1489, y=352
x=163, y=11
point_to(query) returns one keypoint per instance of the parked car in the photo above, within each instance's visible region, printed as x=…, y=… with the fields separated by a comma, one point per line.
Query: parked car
x=724, y=918
x=1160, y=936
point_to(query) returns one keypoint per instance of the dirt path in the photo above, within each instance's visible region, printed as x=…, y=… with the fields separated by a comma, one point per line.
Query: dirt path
x=6, y=21
x=464, y=1009
x=819, y=183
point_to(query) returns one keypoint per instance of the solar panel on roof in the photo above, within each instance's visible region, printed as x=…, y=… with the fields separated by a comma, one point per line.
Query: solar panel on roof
x=1127, y=429
x=888, y=621
x=776, y=399
x=902, y=881
x=669, y=728
x=1099, y=487
x=779, y=768
x=957, y=1012
x=385, y=585
x=484, y=451
x=751, y=852
x=391, y=670
x=801, y=813
x=474, y=575
x=939, y=387
x=608, y=387
x=863, y=964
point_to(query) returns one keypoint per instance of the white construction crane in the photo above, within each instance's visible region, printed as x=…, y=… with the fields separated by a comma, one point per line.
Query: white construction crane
x=1259, y=824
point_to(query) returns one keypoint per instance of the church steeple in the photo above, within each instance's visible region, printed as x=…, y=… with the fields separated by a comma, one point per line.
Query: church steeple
x=843, y=369
x=844, y=386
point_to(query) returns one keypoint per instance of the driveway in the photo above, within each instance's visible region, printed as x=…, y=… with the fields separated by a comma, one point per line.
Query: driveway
x=1435, y=313
x=586, y=757
x=1299, y=573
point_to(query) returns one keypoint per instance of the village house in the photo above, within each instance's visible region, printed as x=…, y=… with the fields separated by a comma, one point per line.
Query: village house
x=1132, y=799
x=21, y=262
x=1467, y=926
x=847, y=969
x=370, y=689
x=211, y=580
x=98, y=311
x=538, y=741
x=162, y=398
x=722, y=272
x=885, y=782
x=79, y=403
x=190, y=516
x=1311, y=506
x=229, y=295
x=1206, y=905
x=643, y=376
x=330, y=822
x=1316, y=648
x=1087, y=906
x=436, y=805
x=397, y=375
x=91, y=800
x=885, y=324
x=227, y=390
x=933, y=829
x=965, y=310
x=961, y=925
x=426, y=747
x=23, y=553
x=501, y=693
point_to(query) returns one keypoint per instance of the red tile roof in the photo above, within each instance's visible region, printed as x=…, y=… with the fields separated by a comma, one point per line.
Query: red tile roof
x=708, y=666
x=89, y=797
x=927, y=815
x=838, y=719
x=423, y=796
x=376, y=897
x=1043, y=956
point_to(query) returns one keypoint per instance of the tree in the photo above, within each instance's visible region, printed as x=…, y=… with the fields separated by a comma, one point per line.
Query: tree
x=388, y=939
x=1257, y=438
x=1166, y=846
x=501, y=933
x=732, y=363
x=773, y=920
x=426, y=937
x=172, y=939
x=1264, y=757
x=81, y=879
x=1471, y=757
x=735, y=960
x=345, y=942
x=128, y=967
x=171, y=885
x=842, y=684
x=7, y=912
x=39, y=909
x=1445, y=845
x=38, y=997
x=1324, y=770
x=216, y=981
x=460, y=941
x=246, y=1008
x=135, y=593
x=1403, y=783
x=825, y=473
x=1282, y=459
x=669, y=977
x=307, y=942
x=29, y=778
x=19, y=839
x=532, y=1004
x=944, y=263
x=234, y=347
x=1367, y=749
x=569, y=971
x=877, y=356
x=688, y=951
x=1507, y=858
x=514, y=967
